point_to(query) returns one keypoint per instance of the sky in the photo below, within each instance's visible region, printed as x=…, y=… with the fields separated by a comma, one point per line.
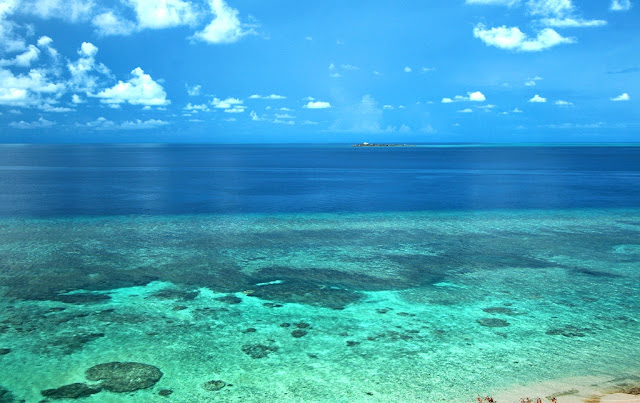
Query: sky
x=291, y=71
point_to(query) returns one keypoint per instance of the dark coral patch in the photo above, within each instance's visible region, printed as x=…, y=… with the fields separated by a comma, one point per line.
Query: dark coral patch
x=493, y=322
x=72, y=391
x=123, y=377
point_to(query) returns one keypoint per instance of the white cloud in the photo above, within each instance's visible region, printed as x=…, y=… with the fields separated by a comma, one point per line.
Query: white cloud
x=31, y=89
x=228, y=103
x=308, y=38
x=272, y=96
x=44, y=42
x=538, y=99
x=75, y=98
x=387, y=107
x=141, y=125
x=201, y=107
x=532, y=81
x=514, y=39
x=335, y=75
x=109, y=24
x=194, y=90
x=68, y=10
x=41, y=123
x=622, y=97
x=557, y=8
x=156, y=14
x=309, y=122
x=226, y=27
x=407, y=69
x=563, y=103
x=141, y=89
x=235, y=109
x=428, y=69
x=230, y=120
x=317, y=105
x=285, y=109
x=620, y=5
x=284, y=122
x=516, y=110
x=9, y=41
x=24, y=59
x=284, y=116
x=104, y=124
x=476, y=96
x=81, y=70
x=572, y=22
x=254, y=116
x=467, y=110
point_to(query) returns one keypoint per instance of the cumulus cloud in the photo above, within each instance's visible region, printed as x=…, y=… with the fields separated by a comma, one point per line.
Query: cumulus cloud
x=476, y=96
x=68, y=10
x=141, y=89
x=156, y=14
x=83, y=71
x=75, y=98
x=41, y=123
x=24, y=59
x=254, y=116
x=105, y=124
x=622, y=97
x=538, y=99
x=572, y=22
x=620, y=5
x=317, y=105
x=407, y=69
x=109, y=24
x=226, y=27
x=550, y=7
x=32, y=89
x=194, y=90
x=466, y=110
x=201, y=107
x=531, y=82
x=226, y=103
x=272, y=96
x=563, y=103
x=514, y=39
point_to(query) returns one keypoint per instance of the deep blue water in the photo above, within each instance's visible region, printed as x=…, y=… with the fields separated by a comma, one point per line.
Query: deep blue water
x=62, y=180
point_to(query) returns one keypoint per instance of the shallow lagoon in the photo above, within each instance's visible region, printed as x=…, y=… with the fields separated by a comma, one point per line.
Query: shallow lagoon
x=406, y=306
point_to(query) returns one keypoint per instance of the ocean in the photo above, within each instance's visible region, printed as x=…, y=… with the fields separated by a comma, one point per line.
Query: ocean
x=325, y=273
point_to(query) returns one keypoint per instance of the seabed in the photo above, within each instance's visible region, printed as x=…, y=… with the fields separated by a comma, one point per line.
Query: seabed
x=411, y=307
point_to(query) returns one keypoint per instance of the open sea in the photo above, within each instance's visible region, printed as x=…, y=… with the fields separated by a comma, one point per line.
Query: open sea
x=318, y=273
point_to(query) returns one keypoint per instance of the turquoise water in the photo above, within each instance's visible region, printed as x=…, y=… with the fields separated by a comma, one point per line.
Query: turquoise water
x=404, y=306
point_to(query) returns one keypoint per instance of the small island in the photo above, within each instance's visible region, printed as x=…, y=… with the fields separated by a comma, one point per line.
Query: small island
x=365, y=144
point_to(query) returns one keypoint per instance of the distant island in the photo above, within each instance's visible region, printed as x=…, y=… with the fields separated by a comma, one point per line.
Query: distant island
x=365, y=144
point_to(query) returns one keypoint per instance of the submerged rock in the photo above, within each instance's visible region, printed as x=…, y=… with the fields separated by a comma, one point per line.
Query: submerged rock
x=567, y=331
x=165, y=392
x=256, y=351
x=6, y=396
x=81, y=298
x=229, y=299
x=493, y=322
x=124, y=376
x=72, y=391
x=4, y=351
x=298, y=333
x=214, y=385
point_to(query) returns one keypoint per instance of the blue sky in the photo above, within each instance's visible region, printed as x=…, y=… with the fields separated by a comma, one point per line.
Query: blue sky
x=332, y=71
